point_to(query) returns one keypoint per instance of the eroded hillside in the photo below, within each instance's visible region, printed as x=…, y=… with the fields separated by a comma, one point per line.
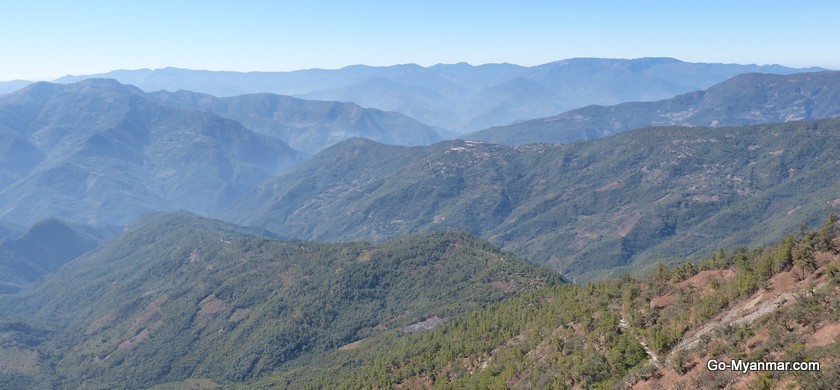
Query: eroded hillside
x=779, y=303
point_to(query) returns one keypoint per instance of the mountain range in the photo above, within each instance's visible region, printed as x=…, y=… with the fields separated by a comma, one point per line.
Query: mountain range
x=588, y=209
x=307, y=125
x=461, y=97
x=421, y=265
x=175, y=296
x=102, y=153
x=742, y=100
x=180, y=301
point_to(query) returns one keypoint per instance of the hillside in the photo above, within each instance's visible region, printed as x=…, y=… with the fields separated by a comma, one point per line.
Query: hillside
x=100, y=152
x=588, y=209
x=766, y=304
x=45, y=247
x=177, y=297
x=306, y=125
x=742, y=100
x=461, y=97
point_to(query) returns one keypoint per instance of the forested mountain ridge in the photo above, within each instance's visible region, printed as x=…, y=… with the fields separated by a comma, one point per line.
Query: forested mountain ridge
x=774, y=304
x=742, y=100
x=461, y=97
x=588, y=209
x=176, y=297
x=100, y=152
x=307, y=125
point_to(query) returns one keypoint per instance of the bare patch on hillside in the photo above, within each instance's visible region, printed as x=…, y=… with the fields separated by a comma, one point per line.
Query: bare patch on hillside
x=783, y=281
x=364, y=256
x=705, y=198
x=583, y=237
x=351, y=346
x=653, y=176
x=625, y=223
x=207, y=310
x=663, y=301
x=425, y=326
x=150, y=314
x=826, y=335
x=137, y=339
x=239, y=315
x=190, y=384
x=611, y=186
x=507, y=287
x=702, y=280
x=101, y=322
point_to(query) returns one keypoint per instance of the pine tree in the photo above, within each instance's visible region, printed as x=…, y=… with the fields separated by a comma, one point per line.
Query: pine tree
x=827, y=233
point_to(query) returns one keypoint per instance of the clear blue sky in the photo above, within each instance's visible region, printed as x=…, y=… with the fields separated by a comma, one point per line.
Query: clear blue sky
x=48, y=39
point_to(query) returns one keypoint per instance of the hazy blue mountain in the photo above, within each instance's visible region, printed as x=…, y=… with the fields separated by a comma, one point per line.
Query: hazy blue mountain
x=461, y=97
x=18, y=156
x=8, y=230
x=175, y=296
x=11, y=86
x=745, y=99
x=587, y=208
x=306, y=125
x=100, y=152
x=416, y=101
x=45, y=247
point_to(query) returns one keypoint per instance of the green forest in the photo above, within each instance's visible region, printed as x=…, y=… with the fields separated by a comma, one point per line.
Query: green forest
x=178, y=296
x=572, y=336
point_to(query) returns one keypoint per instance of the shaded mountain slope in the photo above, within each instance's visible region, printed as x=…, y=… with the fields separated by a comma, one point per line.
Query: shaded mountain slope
x=177, y=297
x=743, y=100
x=306, y=125
x=45, y=247
x=588, y=208
x=100, y=152
x=461, y=97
